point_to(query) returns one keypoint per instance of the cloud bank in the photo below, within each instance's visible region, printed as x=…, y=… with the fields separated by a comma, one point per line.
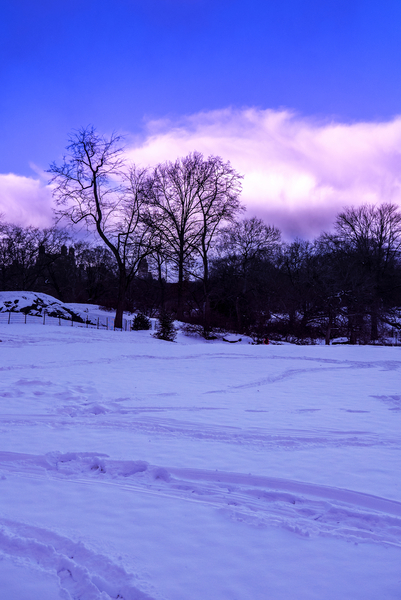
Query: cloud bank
x=298, y=173
x=25, y=201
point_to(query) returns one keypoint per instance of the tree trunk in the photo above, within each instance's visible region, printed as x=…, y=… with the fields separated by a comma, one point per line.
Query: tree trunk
x=206, y=317
x=291, y=320
x=206, y=304
x=122, y=288
x=328, y=330
x=161, y=285
x=180, y=289
x=352, y=331
x=238, y=311
x=374, y=329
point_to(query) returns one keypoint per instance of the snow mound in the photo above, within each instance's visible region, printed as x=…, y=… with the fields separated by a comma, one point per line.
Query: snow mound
x=36, y=304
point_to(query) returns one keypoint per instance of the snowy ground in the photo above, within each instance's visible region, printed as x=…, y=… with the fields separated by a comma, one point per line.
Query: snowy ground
x=29, y=307
x=138, y=469
x=36, y=304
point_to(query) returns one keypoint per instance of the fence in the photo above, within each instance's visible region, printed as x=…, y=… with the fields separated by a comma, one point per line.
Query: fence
x=103, y=322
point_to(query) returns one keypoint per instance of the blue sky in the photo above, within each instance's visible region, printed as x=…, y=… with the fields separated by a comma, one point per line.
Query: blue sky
x=123, y=63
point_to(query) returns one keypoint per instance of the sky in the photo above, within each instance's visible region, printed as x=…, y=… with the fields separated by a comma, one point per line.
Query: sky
x=302, y=96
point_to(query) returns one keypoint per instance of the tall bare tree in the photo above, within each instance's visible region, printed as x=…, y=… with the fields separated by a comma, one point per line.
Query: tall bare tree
x=219, y=204
x=373, y=234
x=246, y=243
x=189, y=200
x=93, y=187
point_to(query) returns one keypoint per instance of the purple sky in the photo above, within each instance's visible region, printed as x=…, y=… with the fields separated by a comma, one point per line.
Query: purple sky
x=302, y=96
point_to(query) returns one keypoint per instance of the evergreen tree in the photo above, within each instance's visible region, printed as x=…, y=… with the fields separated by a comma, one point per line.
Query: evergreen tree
x=166, y=329
x=141, y=322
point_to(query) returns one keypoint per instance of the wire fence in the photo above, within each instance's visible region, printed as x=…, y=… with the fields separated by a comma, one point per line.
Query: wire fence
x=89, y=322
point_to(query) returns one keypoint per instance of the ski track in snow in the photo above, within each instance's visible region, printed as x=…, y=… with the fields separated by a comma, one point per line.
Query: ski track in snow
x=82, y=406
x=303, y=508
x=82, y=574
x=171, y=428
x=331, y=363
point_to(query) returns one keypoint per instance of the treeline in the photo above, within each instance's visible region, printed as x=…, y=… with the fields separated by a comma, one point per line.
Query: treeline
x=52, y=261
x=343, y=284
x=173, y=239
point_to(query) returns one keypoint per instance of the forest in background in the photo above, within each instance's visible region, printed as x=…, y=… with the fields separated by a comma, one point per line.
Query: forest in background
x=344, y=284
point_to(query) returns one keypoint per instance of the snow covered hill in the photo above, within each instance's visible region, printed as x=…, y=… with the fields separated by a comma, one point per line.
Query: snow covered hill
x=32, y=304
x=139, y=469
x=35, y=304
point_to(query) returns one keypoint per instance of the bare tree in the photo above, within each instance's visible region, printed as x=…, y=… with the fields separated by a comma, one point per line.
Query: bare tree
x=250, y=239
x=374, y=230
x=92, y=187
x=373, y=234
x=219, y=204
x=245, y=243
x=189, y=200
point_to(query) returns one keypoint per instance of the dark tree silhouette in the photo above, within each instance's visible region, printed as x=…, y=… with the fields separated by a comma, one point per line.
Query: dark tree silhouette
x=247, y=245
x=373, y=236
x=189, y=200
x=92, y=187
x=30, y=256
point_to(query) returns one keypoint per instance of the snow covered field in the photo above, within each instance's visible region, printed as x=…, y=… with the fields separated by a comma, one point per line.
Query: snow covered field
x=138, y=469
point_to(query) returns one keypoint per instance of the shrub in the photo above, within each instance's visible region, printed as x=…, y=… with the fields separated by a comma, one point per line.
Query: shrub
x=165, y=329
x=210, y=333
x=141, y=322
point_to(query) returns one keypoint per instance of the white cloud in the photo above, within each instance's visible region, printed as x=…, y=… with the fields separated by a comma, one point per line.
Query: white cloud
x=25, y=201
x=298, y=173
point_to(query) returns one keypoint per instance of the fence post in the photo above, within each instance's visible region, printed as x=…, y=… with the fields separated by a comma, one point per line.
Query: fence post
x=25, y=318
x=44, y=317
x=72, y=320
x=59, y=321
x=98, y=323
x=9, y=317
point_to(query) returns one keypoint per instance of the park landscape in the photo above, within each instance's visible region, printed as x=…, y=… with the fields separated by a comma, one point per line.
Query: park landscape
x=200, y=300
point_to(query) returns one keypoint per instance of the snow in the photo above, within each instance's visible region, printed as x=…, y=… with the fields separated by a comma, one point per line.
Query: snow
x=35, y=304
x=33, y=307
x=135, y=468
